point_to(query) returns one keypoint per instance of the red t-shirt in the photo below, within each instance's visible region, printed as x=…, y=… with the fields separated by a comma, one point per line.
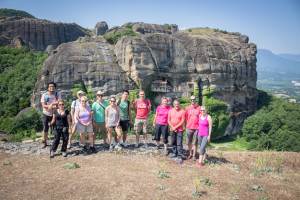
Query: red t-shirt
x=192, y=116
x=175, y=117
x=141, y=108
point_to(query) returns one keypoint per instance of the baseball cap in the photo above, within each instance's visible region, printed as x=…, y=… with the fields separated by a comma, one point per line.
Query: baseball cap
x=80, y=92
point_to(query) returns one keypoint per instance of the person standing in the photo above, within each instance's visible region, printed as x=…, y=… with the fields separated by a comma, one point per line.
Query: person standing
x=204, y=132
x=125, y=108
x=142, y=107
x=112, y=121
x=84, y=124
x=49, y=102
x=192, y=113
x=61, y=119
x=176, y=119
x=161, y=123
x=98, y=116
x=74, y=106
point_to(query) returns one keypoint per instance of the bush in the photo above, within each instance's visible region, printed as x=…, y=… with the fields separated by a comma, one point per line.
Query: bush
x=113, y=38
x=4, y=12
x=274, y=126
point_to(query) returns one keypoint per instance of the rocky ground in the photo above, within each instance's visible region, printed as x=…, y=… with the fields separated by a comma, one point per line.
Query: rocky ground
x=26, y=172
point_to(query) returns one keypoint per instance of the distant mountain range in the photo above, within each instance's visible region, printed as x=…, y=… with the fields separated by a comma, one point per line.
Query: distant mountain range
x=288, y=64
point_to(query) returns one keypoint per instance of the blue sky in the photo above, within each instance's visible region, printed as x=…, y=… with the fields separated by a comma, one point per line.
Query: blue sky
x=271, y=24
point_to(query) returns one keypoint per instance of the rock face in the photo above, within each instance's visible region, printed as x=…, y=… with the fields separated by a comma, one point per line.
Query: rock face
x=37, y=34
x=86, y=61
x=100, y=28
x=200, y=58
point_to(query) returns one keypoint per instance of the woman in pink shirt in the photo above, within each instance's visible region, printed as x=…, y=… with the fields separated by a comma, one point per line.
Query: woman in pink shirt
x=204, y=132
x=161, y=123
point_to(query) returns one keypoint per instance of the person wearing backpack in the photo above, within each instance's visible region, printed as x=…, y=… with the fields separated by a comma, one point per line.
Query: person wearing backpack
x=142, y=107
x=49, y=102
x=98, y=116
x=74, y=106
x=125, y=108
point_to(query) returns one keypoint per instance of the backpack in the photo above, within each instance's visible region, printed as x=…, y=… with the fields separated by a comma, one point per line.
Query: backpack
x=147, y=102
x=128, y=103
x=56, y=95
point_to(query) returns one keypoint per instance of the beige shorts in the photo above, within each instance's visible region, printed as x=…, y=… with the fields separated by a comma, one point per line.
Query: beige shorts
x=84, y=129
x=140, y=124
x=101, y=126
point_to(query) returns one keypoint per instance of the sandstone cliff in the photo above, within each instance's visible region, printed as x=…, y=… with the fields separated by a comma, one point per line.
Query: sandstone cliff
x=37, y=34
x=204, y=57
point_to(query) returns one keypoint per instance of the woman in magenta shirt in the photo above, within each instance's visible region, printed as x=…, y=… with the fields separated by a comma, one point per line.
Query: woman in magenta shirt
x=161, y=123
x=204, y=132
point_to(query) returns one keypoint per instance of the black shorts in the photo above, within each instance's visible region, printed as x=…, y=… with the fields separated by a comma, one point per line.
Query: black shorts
x=124, y=125
x=161, y=130
x=46, y=119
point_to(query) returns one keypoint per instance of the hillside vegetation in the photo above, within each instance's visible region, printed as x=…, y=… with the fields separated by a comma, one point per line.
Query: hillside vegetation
x=4, y=12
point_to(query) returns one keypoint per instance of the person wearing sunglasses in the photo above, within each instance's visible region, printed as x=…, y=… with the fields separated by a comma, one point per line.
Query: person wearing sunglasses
x=74, y=106
x=61, y=120
x=192, y=113
x=204, y=133
x=98, y=116
x=161, y=124
x=84, y=124
x=112, y=121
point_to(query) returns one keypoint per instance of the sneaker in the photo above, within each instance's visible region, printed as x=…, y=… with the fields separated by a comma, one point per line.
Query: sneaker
x=64, y=154
x=173, y=156
x=118, y=147
x=166, y=152
x=124, y=144
x=114, y=144
x=146, y=145
x=199, y=164
x=180, y=160
x=137, y=145
x=44, y=144
x=93, y=149
x=111, y=148
x=194, y=158
x=69, y=146
x=52, y=154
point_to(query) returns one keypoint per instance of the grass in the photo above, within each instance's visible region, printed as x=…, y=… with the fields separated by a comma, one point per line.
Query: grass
x=71, y=166
x=230, y=144
x=161, y=174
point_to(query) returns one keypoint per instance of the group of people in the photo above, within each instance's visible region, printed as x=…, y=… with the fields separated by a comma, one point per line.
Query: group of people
x=117, y=116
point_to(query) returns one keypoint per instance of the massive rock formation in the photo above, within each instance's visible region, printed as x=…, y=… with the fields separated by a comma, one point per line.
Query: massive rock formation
x=100, y=28
x=204, y=58
x=37, y=34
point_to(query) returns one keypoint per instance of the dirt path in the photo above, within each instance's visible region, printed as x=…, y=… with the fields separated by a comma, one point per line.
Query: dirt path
x=115, y=175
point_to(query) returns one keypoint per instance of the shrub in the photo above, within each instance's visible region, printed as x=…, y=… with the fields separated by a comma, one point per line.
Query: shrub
x=113, y=38
x=4, y=12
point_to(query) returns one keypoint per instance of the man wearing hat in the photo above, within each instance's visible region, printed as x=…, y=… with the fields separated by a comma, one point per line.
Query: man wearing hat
x=74, y=106
x=98, y=116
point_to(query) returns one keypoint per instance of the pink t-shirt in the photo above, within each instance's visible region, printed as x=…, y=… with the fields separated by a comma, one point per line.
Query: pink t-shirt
x=162, y=115
x=141, y=108
x=192, y=116
x=176, y=116
x=203, y=126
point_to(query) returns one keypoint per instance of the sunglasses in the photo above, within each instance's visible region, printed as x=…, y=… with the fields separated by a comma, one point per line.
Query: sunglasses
x=193, y=99
x=203, y=110
x=84, y=101
x=61, y=104
x=112, y=101
x=100, y=95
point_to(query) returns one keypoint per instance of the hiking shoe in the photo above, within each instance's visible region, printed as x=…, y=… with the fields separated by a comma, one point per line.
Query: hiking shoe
x=146, y=145
x=114, y=144
x=69, y=146
x=44, y=144
x=173, y=156
x=111, y=148
x=137, y=145
x=124, y=144
x=93, y=149
x=118, y=147
x=64, y=154
x=84, y=149
x=52, y=153
x=194, y=158
x=157, y=147
x=166, y=152
x=180, y=160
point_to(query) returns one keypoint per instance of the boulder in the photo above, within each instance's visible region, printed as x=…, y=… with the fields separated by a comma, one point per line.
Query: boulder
x=100, y=28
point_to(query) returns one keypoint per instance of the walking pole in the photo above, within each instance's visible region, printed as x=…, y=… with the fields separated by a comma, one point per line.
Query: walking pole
x=50, y=142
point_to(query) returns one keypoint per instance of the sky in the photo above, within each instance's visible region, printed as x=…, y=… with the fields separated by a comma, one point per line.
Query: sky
x=270, y=24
